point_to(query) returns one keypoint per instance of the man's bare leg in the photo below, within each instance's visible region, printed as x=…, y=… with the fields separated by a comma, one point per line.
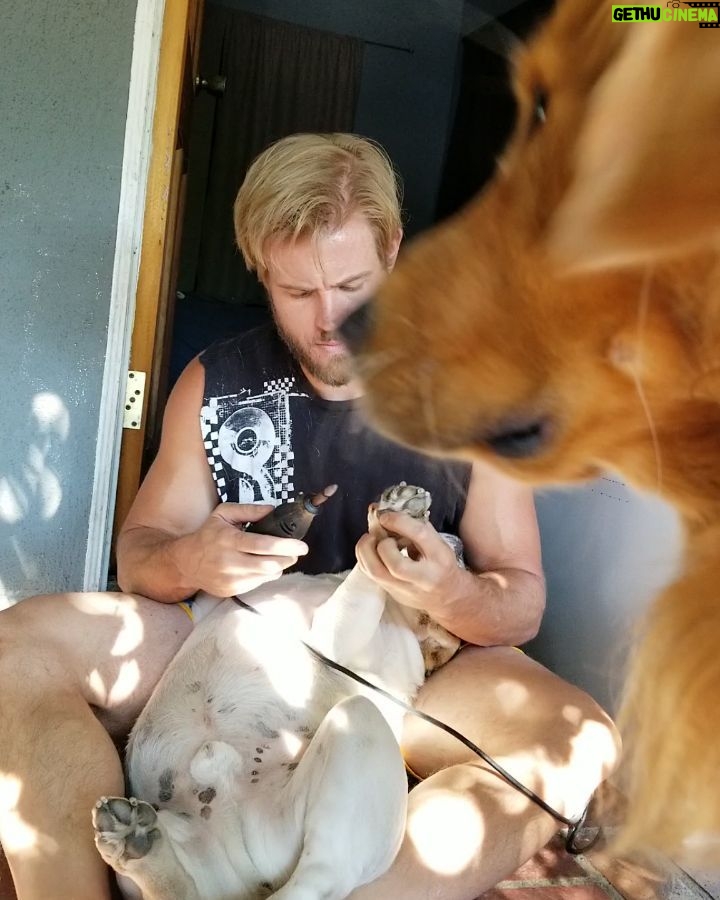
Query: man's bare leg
x=70, y=666
x=467, y=828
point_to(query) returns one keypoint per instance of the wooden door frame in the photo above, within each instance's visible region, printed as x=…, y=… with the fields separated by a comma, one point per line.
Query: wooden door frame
x=154, y=98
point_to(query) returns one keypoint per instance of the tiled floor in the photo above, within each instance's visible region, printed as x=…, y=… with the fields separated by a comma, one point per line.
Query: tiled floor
x=555, y=875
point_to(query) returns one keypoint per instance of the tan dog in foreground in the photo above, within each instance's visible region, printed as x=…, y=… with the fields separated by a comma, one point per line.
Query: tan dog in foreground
x=567, y=322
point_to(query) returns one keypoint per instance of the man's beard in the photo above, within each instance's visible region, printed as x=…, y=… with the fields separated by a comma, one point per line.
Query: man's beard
x=336, y=372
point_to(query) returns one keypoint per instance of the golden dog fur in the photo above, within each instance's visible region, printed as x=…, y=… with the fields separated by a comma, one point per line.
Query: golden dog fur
x=567, y=322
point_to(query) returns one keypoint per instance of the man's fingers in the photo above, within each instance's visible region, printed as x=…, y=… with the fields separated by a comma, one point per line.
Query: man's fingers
x=416, y=531
x=234, y=513
x=383, y=561
x=250, y=563
x=267, y=545
x=250, y=572
x=396, y=563
x=366, y=554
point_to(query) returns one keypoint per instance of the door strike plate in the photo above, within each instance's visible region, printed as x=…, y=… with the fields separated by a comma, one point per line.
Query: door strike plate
x=134, y=394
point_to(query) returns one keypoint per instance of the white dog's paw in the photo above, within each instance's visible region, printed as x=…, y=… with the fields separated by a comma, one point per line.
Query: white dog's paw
x=408, y=498
x=124, y=829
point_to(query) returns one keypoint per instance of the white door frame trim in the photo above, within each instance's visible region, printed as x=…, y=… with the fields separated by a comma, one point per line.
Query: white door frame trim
x=133, y=188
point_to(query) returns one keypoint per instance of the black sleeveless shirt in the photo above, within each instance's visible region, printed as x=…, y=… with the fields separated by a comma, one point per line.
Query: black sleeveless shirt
x=268, y=436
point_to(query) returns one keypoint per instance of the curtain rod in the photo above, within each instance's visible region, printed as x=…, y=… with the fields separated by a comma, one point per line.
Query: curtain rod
x=409, y=50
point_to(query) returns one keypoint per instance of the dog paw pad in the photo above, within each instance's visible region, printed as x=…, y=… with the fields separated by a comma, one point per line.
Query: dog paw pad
x=125, y=829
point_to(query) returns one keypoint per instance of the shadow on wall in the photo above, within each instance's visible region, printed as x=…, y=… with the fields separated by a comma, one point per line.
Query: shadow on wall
x=608, y=551
x=30, y=489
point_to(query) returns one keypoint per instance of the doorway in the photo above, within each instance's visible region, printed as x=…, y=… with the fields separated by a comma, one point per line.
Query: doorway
x=413, y=78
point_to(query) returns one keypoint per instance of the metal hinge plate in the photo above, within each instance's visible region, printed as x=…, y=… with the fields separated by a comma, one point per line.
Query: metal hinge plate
x=134, y=394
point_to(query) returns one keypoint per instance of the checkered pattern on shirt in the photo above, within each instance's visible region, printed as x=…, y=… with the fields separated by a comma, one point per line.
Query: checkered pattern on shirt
x=275, y=402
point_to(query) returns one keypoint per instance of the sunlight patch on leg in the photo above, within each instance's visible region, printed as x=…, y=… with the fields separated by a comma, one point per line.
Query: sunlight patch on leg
x=447, y=831
x=131, y=630
x=513, y=695
x=125, y=684
x=17, y=836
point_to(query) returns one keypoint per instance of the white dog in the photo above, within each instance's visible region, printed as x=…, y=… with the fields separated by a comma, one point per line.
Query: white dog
x=265, y=773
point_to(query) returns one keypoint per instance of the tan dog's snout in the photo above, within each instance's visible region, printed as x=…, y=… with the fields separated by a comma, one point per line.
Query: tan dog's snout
x=356, y=328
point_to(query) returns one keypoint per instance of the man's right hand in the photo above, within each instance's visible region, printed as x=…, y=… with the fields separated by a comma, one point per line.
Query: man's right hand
x=176, y=539
x=223, y=559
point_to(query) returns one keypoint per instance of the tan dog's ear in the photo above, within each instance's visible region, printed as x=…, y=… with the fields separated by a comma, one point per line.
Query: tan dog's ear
x=647, y=177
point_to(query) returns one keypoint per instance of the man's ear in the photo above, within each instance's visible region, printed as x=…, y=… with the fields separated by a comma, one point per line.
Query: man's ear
x=646, y=183
x=393, y=249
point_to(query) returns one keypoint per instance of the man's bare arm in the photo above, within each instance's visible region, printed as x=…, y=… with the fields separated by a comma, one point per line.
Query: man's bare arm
x=500, y=599
x=177, y=538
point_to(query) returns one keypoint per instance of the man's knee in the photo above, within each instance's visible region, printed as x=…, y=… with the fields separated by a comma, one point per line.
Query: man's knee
x=596, y=746
x=108, y=648
x=520, y=713
x=30, y=656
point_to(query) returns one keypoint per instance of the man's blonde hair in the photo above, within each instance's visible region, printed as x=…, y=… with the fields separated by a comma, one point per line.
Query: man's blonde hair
x=312, y=183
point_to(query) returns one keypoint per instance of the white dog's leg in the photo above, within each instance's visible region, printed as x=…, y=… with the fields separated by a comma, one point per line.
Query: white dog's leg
x=349, y=619
x=346, y=623
x=131, y=839
x=351, y=783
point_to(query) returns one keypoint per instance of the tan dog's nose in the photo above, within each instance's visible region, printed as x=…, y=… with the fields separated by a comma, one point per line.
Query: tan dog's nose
x=520, y=437
x=356, y=329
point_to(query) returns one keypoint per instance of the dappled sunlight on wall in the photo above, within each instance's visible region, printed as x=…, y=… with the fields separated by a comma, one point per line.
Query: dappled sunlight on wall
x=36, y=488
x=31, y=489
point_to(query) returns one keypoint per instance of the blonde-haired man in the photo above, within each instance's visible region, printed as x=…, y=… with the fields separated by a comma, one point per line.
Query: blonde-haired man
x=251, y=422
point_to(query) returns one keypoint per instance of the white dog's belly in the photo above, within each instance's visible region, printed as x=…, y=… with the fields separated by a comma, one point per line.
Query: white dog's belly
x=217, y=746
x=261, y=771
x=270, y=773
x=240, y=704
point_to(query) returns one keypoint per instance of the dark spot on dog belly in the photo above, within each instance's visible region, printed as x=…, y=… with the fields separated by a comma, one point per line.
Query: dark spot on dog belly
x=194, y=687
x=266, y=732
x=166, y=786
x=206, y=812
x=207, y=796
x=292, y=766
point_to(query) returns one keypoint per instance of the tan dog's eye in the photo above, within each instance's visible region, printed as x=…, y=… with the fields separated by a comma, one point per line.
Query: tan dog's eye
x=540, y=107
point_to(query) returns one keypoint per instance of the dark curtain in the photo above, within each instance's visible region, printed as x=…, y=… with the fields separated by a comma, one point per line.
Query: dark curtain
x=281, y=79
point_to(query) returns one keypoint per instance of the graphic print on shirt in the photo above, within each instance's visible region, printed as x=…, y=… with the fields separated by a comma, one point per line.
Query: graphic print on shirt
x=248, y=443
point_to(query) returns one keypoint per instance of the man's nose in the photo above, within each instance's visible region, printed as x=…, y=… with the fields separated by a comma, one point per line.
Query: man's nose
x=329, y=311
x=356, y=328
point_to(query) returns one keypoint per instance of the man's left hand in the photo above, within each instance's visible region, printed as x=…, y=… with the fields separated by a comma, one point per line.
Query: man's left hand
x=423, y=578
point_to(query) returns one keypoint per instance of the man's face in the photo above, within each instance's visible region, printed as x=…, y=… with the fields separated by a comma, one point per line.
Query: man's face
x=314, y=283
